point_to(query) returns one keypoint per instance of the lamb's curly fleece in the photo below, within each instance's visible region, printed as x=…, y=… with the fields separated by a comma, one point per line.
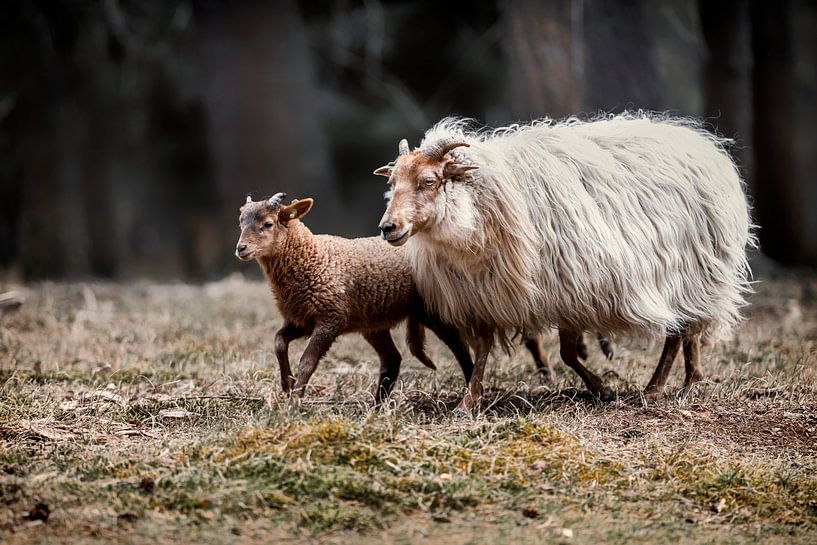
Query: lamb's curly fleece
x=634, y=223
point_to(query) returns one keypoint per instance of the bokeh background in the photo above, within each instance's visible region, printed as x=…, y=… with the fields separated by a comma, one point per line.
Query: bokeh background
x=131, y=132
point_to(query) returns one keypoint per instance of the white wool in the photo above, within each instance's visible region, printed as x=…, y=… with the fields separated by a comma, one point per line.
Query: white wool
x=632, y=223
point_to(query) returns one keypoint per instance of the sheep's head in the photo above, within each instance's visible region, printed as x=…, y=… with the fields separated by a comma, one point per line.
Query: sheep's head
x=264, y=225
x=417, y=187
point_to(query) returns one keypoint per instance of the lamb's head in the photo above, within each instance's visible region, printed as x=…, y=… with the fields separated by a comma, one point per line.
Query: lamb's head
x=265, y=225
x=417, y=187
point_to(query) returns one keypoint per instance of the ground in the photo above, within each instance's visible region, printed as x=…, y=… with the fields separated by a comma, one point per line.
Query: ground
x=150, y=413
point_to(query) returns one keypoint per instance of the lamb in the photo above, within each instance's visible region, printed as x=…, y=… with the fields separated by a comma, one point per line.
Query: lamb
x=326, y=286
x=633, y=224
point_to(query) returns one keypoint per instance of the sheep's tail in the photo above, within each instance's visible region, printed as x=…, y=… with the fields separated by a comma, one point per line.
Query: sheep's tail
x=416, y=340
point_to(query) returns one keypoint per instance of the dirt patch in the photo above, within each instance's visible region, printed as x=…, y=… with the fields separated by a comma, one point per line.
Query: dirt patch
x=791, y=429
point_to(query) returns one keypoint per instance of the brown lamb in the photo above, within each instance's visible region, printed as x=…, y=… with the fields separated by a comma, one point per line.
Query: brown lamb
x=326, y=286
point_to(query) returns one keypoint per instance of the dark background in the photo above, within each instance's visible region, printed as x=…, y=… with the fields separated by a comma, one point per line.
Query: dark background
x=130, y=132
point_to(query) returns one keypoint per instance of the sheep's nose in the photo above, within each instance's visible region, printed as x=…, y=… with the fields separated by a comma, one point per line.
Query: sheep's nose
x=240, y=248
x=386, y=228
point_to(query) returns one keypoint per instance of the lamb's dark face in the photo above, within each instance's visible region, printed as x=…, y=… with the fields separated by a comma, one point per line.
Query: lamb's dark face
x=417, y=192
x=264, y=227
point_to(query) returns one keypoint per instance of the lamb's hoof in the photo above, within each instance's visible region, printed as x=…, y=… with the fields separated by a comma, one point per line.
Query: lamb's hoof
x=546, y=376
x=296, y=395
x=582, y=352
x=607, y=394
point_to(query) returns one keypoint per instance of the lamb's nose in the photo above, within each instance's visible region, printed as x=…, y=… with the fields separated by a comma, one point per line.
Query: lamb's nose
x=386, y=228
x=240, y=248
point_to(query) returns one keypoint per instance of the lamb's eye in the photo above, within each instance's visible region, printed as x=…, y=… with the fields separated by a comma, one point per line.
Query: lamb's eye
x=268, y=225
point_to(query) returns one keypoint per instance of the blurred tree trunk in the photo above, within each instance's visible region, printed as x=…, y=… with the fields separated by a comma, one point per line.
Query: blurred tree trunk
x=778, y=189
x=727, y=78
x=544, y=48
x=620, y=68
x=263, y=108
x=49, y=237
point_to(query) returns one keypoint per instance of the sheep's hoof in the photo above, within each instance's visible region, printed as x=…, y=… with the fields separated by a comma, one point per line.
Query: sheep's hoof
x=696, y=376
x=607, y=394
x=461, y=411
x=653, y=394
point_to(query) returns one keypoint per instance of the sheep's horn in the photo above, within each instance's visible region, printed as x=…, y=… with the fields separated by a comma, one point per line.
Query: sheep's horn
x=403, y=147
x=277, y=199
x=249, y=200
x=440, y=148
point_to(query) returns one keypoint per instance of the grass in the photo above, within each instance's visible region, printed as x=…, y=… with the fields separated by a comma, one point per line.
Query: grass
x=153, y=413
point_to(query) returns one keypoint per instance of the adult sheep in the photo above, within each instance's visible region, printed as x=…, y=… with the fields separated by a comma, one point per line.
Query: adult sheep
x=631, y=224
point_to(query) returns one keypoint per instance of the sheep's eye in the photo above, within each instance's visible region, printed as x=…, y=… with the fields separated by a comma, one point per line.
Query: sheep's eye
x=268, y=225
x=430, y=182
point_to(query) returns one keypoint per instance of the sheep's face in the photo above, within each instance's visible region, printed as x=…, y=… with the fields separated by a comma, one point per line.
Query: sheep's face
x=265, y=226
x=418, y=191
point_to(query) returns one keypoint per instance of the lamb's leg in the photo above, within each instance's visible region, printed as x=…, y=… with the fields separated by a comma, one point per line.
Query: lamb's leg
x=320, y=341
x=569, y=354
x=382, y=342
x=473, y=395
x=692, y=359
x=659, y=377
x=581, y=347
x=533, y=342
x=453, y=340
x=288, y=333
x=607, y=347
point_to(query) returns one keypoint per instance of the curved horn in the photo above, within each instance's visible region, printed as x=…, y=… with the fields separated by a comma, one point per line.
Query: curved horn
x=249, y=200
x=403, y=147
x=277, y=199
x=440, y=148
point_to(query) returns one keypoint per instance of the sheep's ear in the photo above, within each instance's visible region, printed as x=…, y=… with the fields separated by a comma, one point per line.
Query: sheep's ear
x=296, y=210
x=385, y=170
x=453, y=170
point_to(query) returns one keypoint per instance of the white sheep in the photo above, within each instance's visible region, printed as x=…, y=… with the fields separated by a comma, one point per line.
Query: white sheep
x=632, y=224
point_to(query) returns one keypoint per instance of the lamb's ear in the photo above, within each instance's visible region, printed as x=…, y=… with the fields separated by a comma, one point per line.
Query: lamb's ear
x=296, y=210
x=453, y=169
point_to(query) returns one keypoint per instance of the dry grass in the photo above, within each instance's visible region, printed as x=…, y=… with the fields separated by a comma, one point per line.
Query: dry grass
x=152, y=413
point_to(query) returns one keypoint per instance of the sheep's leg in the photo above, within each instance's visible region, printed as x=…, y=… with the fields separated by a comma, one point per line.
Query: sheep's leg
x=473, y=395
x=569, y=354
x=288, y=333
x=659, y=377
x=533, y=342
x=319, y=343
x=382, y=342
x=581, y=347
x=607, y=347
x=692, y=360
x=453, y=340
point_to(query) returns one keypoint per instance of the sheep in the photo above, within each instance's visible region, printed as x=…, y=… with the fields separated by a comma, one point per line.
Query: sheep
x=632, y=224
x=326, y=286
